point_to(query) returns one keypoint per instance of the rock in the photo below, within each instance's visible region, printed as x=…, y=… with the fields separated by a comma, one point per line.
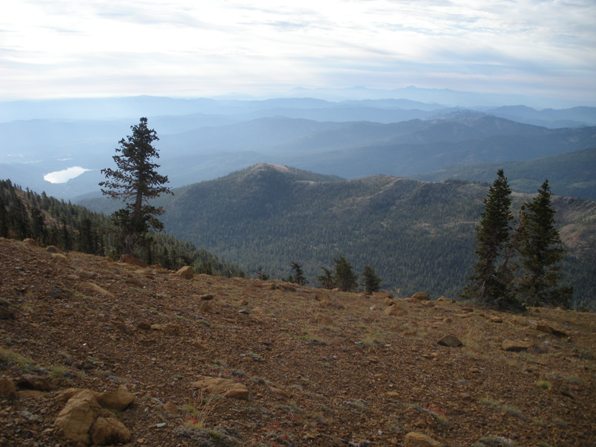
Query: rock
x=205, y=437
x=170, y=408
x=420, y=296
x=35, y=382
x=392, y=394
x=168, y=329
x=495, y=319
x=132, y=260
x=30, y=242
x=494, y=441
x=116, y=400
x=392, y=310
x=185, y=272
x=52, y=249
x=59, y=257
x=415, y=439
x=206, y=297
x=544, y=327
x=451, y=341
x=515, y=345
x=78, y=415
x=91, y=287
x=7, y=311
x=8, y=389
x=144, y=326
x=224, y=387
x=109, y=430
x=389, y=301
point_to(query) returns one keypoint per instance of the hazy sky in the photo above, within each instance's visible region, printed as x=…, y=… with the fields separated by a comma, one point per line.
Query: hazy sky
x=64, y=48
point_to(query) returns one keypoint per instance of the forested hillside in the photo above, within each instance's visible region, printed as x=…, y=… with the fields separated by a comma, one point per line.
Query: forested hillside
x=25, y=214
x=416, y=235
x=570, y=174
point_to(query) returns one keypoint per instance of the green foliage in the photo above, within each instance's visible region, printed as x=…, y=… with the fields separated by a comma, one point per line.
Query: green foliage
x=326, y=279
x=541, y=252
x=70, y=227
x=491, y=282
x=344, y=277
x=297, y=275
x=370, y=281
x=135, y=182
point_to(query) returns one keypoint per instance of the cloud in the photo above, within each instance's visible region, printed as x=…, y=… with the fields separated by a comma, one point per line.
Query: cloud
x=147, y=47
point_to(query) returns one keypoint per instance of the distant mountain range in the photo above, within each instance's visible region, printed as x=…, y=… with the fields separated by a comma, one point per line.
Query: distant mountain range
x=417, y=235
x=202, y=146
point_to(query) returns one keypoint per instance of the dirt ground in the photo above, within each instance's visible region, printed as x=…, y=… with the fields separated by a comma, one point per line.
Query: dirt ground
x=322, y=368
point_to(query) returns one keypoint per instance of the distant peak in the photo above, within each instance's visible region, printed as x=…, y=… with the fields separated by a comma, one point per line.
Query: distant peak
x=269, y=167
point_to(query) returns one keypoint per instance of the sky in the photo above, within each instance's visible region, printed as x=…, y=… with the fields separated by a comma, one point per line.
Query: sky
x=190, y=48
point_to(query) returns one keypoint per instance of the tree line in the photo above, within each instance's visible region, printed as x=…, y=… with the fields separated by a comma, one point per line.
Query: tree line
x=518, y=265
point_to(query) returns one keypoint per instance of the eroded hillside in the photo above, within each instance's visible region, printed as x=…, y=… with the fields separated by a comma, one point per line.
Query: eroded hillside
x=305, y=366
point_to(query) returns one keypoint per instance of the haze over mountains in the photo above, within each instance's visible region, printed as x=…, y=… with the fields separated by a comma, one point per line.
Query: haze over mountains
x=202, y=139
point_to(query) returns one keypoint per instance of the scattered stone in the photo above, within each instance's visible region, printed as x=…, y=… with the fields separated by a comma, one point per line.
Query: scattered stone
x=206, y=297
x=59, y=257
x=7, y=311
x=91, y=287
x=543, y=327
x=109, y=430
x=420, y=296
x=494, y=441
x=205, y=437
x=224, y=387
x=132, y=260
x=160, y=425
x=392, y=310
x=52, y=249
x=35, y=382
x=116, y=400
x=185, y=272
x=83, y=420
x=8, y=389
x=168, y=328
x=244, y=311
x=451, y=341
x=415, y=439
x=77, y=417
x=515, y=345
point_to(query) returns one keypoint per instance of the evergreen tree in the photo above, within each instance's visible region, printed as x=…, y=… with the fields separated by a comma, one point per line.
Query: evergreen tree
x=491, y=283
x=136, y=181
x=297, y=275
x=541, y=251
x=345, y=278
x=326, y=279
x=370, y=281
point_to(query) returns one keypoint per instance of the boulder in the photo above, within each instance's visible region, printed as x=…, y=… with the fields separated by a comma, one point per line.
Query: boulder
x=91, y=287
x=516, y=345
x=109, y=430
x=185, y=272
x=119, y=399
x=544, y=327
x=420, y=296
x=52, y=249
x=8, y=389
x=78, y=415
x=415, y=439
x=451, y=341
x=223, y=387
x=35, y=382
x=393, y=310
x=30, y=242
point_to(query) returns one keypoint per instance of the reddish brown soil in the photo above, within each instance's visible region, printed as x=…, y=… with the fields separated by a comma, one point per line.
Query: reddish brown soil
x=318, y=364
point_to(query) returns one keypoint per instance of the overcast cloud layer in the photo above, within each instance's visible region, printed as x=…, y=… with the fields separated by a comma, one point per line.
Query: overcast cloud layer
x=64, y=48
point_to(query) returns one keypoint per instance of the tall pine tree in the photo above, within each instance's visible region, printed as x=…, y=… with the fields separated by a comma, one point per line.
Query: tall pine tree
x=136, y=182
x=541, y=251
x=491, y=283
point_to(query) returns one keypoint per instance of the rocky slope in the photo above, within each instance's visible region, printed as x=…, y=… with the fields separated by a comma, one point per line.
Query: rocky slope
x=169, y=360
